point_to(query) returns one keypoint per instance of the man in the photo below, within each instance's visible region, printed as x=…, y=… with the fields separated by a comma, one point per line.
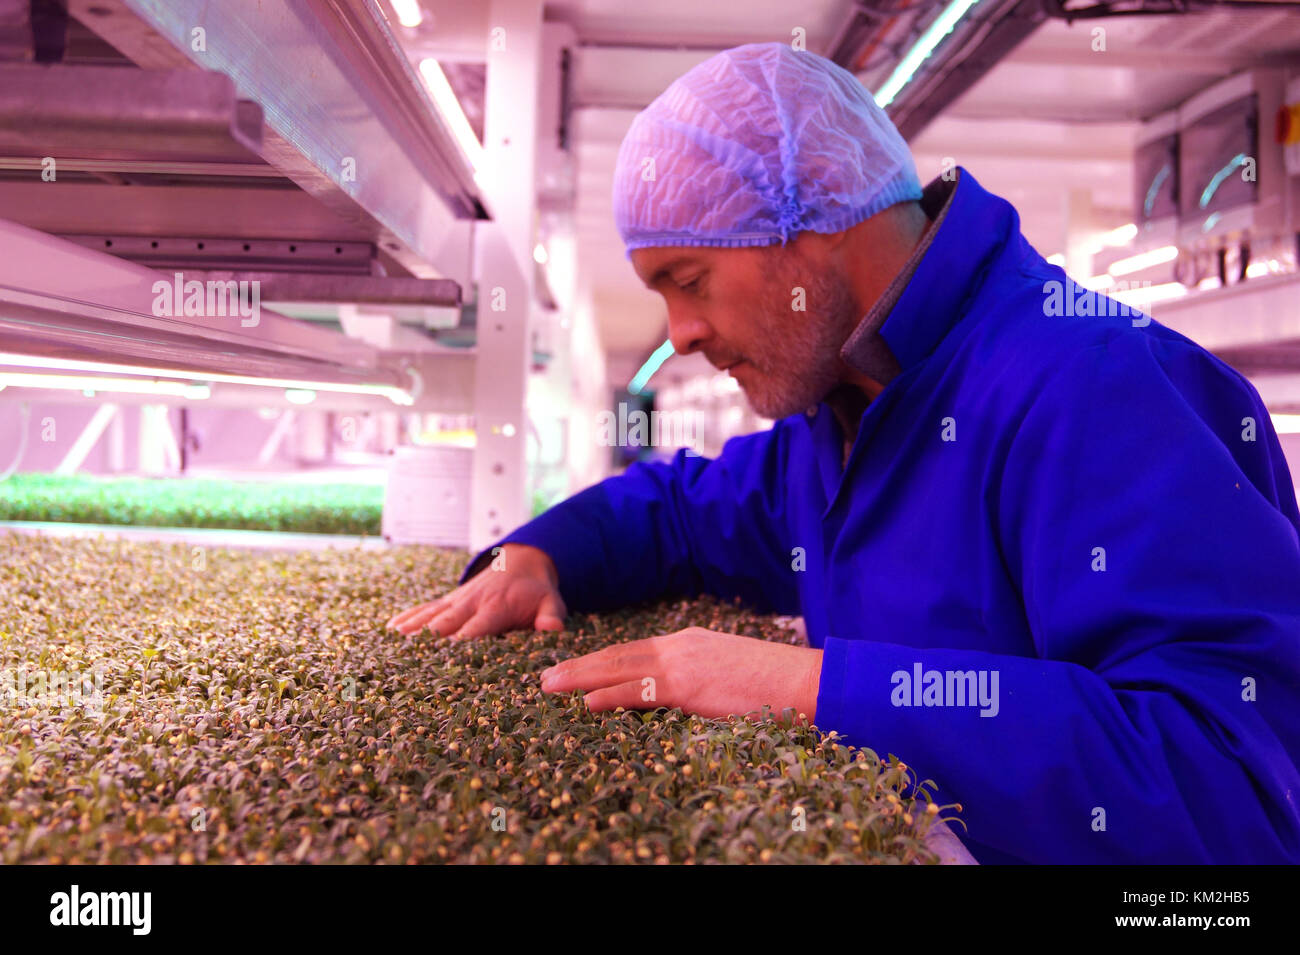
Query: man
x=1052, y=560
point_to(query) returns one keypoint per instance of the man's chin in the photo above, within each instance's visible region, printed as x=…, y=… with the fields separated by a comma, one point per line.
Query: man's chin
x=769, y=401
x=775, y=408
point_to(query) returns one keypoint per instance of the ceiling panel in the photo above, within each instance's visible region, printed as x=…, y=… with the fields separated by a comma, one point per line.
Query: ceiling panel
x=693, y=23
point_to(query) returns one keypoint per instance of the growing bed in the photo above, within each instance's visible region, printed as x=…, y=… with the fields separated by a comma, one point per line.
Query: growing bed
x=254, y=709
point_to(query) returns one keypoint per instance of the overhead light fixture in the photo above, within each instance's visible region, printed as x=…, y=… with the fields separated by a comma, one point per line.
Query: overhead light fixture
x=539, y=254
x=1286, y=423
x=444, y=97
x=1143, y=260
x=652, y=364
x=89, y=384
x=408, y=12
x=396, y=395
x=912, y=60
x=1260, y=268
x=1150, y=294
x=1116, y=238
x=299, y=396
x=1113, y=239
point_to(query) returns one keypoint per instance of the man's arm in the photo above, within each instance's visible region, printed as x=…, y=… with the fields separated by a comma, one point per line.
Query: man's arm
x=695, y=525
x=1160, y=571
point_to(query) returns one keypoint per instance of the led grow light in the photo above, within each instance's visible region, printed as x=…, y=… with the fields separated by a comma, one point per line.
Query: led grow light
x=444, y=97
x=912, y=60
x=1286, y=423
x=1143, y=260
x=89, y=384
x=408, y=12
x=396, y=395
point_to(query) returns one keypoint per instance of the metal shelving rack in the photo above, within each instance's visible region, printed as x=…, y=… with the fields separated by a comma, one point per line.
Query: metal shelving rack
x=288, y=143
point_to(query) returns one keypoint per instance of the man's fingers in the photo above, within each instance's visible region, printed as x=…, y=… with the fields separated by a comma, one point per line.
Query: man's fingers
x=413, y=621
x=451, y=618
x=397, y=622
x=550, y=613
x=443, y=616
x=631, y=695
x=487, y=620
x=608, y=667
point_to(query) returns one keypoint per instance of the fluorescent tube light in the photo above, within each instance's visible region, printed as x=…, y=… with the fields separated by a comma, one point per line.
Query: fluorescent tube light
x=445, y=99
x=1286, y=423
x=1141, y=296
x=1143, y=260
x=408, y=12
x=93, y=383
x=396, y=395
x=912, y=60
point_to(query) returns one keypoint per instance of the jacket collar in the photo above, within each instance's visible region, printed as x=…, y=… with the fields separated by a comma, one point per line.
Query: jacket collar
x=969, y=227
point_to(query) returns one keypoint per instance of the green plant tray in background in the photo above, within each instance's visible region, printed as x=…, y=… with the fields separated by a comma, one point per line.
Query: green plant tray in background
x=194, y=502
x=253, y=708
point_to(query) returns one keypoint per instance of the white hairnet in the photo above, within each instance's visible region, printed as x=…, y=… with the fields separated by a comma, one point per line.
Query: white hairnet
x=754, y=145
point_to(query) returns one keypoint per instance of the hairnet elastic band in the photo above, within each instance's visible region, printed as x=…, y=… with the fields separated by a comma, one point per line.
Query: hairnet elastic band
x=894, y=193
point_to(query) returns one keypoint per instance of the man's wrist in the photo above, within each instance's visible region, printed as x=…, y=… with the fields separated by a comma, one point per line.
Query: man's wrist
x=812, y=685
x=532, y=560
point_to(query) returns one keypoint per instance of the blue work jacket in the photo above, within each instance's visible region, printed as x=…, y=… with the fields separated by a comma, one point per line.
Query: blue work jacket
x=1059, y=575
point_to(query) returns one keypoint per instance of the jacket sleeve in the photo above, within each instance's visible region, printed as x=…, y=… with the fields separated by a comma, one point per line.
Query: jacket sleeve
x=1155, y=545
x=681, y=528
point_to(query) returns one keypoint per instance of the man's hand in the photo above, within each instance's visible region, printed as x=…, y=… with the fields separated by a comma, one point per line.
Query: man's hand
x=704, y=672
x=518, y=590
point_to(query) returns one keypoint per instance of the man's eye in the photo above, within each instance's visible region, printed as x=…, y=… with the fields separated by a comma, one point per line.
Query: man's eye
x=692, y=286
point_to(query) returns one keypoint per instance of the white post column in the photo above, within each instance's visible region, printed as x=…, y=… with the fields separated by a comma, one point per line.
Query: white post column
x=117, y=443
x=1078, y=234
x=503, y=252
x=151, y=447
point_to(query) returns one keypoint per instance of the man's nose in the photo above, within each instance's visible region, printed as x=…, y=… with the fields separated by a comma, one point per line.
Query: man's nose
x=687, y=330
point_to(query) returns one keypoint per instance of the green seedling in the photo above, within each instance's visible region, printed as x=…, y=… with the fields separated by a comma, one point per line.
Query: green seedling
x=284, y=724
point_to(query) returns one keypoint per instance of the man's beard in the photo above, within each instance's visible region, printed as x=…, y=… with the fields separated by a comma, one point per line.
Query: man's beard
x=795, y=358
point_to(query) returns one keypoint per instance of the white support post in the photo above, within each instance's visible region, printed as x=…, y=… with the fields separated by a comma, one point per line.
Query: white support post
x=369, y=432
x=1078, y=234
x=117, y=444
x=76, y=456
x=276, y=438
x=152, y=445
x=390, y=432
x=171, y=447
x=505, y=270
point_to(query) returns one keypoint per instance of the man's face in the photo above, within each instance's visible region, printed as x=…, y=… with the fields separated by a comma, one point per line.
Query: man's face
x=743, y=305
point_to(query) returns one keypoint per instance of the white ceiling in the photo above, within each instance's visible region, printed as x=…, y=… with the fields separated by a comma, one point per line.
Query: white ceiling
x=1055, y=116
x=700, y=23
